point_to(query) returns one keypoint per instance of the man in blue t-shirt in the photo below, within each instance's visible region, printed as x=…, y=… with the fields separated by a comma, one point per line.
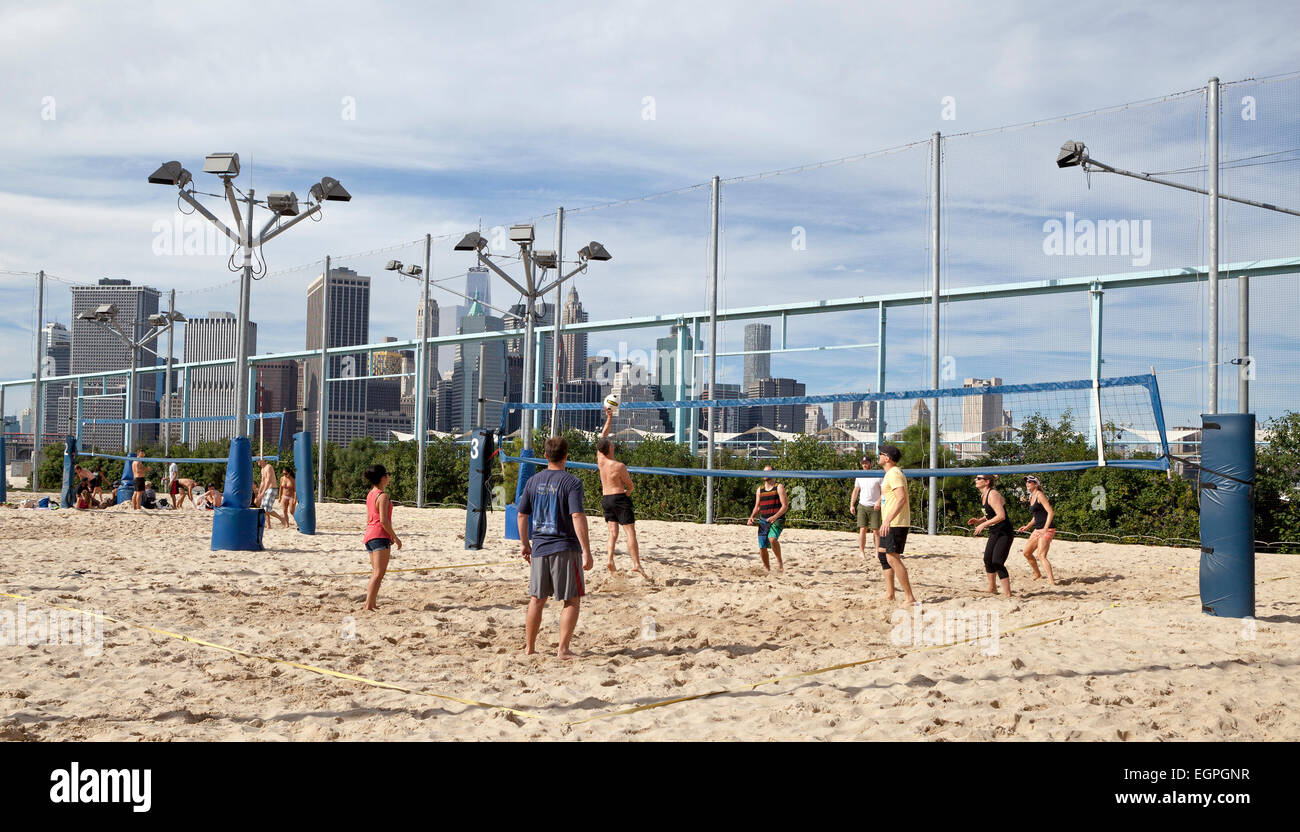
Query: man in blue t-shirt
x=553, y=499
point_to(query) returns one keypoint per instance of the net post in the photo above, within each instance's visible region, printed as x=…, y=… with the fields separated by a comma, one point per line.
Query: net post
x=936, y=150
x=323, y=405
x=37, y=410
x=880, y=377
x=1212, y=94
x=1095, y=295
x=713, y=340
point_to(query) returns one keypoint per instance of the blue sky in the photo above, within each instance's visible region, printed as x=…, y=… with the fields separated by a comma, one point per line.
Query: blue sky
x=440, y=117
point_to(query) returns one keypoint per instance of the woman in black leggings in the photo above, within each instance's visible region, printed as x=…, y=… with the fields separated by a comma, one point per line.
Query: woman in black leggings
x=1001, y=533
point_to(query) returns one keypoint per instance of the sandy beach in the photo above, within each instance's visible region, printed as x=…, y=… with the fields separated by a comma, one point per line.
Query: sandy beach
x=1118, y=651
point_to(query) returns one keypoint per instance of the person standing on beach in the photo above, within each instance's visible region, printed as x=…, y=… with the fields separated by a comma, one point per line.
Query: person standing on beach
x=266, y=494
x=552, y=499
x=1044, y=530
x=865, y=505
x=770, y=507
x=138, y=470
x=1001, y=533
x=896, y=519
x=616, y=497
x=288, y=495
x=379, y=535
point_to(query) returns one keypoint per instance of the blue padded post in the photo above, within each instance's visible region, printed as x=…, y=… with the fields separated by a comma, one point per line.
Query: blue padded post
x=4, y=471
x=304, y=483
x=479, y=500
x=126, y=485
x=1228, y=514
x=526, y=470
x=70, y=481
x=236, y=526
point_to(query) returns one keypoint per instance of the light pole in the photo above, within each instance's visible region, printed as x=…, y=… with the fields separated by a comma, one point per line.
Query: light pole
x=281, y=204
x=1075, y=154
x=422, y=369
x=106, y=316
x=533, y=289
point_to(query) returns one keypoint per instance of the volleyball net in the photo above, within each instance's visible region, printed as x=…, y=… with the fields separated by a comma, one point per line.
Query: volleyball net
x=982, y=428
x=86, y=431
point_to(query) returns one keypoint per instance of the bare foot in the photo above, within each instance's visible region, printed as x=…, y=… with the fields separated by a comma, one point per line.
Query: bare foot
x=610, y=566
x=642, y=573
x=528, y=651
x=368, y=609
x=566, y=655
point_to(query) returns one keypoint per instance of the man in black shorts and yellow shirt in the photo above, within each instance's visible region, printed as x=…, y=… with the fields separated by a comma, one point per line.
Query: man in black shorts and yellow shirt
x=896, y=517
x=616, y=499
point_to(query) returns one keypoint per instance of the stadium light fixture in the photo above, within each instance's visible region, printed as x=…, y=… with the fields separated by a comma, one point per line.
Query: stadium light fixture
x=330, y=189
x=393, y=266
x=473, y=241
x=594, y=251
x=521, y=234
x=171, y=173
x=545, y=259
x=282, y=203
x=222, y=164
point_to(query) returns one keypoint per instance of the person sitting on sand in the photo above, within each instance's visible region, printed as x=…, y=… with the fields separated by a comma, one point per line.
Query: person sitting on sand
x=616, y=497
x=288, y=495
x=149, y=497
x=83, y=498
x=553, y=500
x=379, y=535
x=771, y=502
x=1001, y=533
x=96, y=485
x=1044, y=530
x=212, y=497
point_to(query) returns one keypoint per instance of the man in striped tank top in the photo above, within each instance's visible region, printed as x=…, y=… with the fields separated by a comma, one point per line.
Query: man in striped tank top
x=770, y=507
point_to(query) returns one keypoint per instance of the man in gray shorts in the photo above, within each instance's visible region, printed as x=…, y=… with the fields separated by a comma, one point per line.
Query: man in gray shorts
x=552, y=500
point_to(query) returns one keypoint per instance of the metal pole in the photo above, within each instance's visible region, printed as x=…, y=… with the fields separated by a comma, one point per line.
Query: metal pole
x=482, y=367
x=241, y=337
x=1247, y=365
x=880, y=378
x=679, y=426
x=185, y=409
x=933, y=525
x=716, y=191
x=1095, y=424
x=526, y=347
x=559, y=322
x=324, y=403
x=36, y=388
x=129, y=409
x=80, y=392
x=695, y=388
x=167, y=382
x=1213, y=91
x=422, y=381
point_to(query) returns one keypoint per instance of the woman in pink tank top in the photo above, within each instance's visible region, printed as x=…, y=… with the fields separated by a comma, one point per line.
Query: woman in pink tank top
x=379, y=537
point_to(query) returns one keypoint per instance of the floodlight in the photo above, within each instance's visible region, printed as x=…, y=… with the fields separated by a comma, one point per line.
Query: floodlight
x=106, y=310
x=284, y=203
x=170, y=173
x=473, y=241
x=545, y=259
x=160, y=319
x=394, y=266
x=521, y=234
x=87, y=316
x=413, y=271
x=330, y=189
x=1072, y=155
x=222, y=164
x=594, y=251
x=178, y=317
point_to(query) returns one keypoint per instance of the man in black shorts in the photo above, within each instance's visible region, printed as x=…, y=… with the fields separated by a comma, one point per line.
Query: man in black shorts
x=138, y=470
x=616, y=500
x=896, y=517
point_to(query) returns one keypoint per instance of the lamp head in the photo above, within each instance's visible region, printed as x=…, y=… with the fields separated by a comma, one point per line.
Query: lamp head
x=170, y=173
x=545, y=259
x=222, y=164
x=1072, y=155
x=394, y=266
x=330, y=189
x=413, y=271
x=594, y=251
x=473, y=241
x=521, y=234
x=283, y=203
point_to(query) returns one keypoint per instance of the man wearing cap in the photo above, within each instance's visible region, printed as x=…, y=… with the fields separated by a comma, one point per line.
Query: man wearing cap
x=896, y=518
x=865, y=504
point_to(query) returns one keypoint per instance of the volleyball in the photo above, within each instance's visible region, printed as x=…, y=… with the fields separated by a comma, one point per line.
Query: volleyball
x=611, y=403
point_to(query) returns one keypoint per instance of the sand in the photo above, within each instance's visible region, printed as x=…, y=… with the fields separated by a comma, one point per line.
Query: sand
x=1125, y=656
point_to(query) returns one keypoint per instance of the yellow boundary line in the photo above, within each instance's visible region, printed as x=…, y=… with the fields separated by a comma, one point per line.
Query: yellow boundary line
x=431, y=568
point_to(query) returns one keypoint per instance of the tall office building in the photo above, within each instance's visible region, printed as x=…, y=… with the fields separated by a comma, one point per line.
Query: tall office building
x=385, y=394
x=478, y=285
x=859, y=416
x=757, y=337
x=95, y=349
x=729, y=418
x=630, y=385
x=467, y=368
x=277, y=391
x=212, y=389
x=431, y=375
x=920, y=414
x=784, y=417
x=545, y=317
x=982, y=415
x=573, y=348
x=56, y=360
x=349, y=325
x=666, y=369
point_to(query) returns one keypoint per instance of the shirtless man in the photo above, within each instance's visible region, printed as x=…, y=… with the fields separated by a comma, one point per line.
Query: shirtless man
x=616, y=499
x=185, y=489
x=266, y=493
x=288, y=495
x=138, y=469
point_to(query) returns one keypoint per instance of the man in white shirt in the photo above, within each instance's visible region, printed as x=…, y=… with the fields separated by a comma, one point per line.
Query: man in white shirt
x=865, y=504
x=173, y=483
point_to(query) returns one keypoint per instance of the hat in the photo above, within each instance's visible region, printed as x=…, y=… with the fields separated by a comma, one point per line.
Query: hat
x=1031, y=478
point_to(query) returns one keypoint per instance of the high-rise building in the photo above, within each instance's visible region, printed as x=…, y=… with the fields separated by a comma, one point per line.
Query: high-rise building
x=56, y=360
x=545, y=317
x=757, y=337
x=444, y=403
x=785, y=417
x=385, y=394
x=920, y=414
x=349, y=325
x=860, y=416
x=982, y=415
x=94, y=349
x=729, y=418
x=666, y=369
x=212, y=389
x=421, y=312
x=573, y=347
x=467, y=368
x=277, y=390
x=815, y=421
x=478, y=285
x=577, y=390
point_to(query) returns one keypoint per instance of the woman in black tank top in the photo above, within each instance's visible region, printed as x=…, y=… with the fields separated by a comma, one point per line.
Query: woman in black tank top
x=1001, y=534
x=1043, y=527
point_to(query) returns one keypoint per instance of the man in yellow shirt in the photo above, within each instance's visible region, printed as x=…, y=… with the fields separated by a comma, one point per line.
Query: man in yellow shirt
x=895, y=518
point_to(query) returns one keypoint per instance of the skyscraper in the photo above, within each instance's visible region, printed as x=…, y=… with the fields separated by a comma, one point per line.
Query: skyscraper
x=757, y=337
x=349, y=324
x=95, y=349
x=545, y=317
x=478, y=285
x=785, y=417
x=277, y=390
x=385, y=393
x=56, y=360
x=212, y=389
x=982, y=415
x=573, y=348
x=666, y=373
x=467, y=368
x=431, y=374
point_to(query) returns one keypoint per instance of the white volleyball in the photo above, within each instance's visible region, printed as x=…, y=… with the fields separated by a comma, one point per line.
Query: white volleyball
x=611, y=403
